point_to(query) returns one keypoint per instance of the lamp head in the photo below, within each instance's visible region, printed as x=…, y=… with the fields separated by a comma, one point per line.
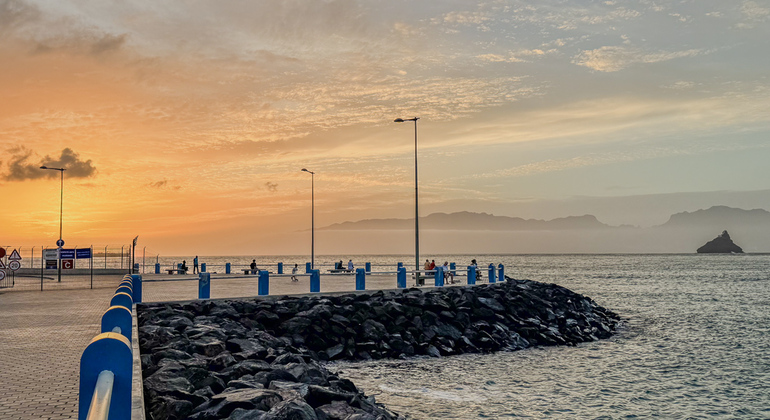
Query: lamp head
x=305, y=170
x=43, y=167
x=398, y=120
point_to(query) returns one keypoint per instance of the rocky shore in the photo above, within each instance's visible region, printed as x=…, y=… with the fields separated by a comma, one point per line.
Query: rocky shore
x=263, y=358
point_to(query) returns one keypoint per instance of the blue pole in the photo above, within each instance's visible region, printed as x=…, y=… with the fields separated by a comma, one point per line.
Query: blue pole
x=137, y=287
x=360, y=279
x=157, y=268
x=203, y=267
x=204, y=285
x=491, y=273
x=280, y=268
x=401, y=278
x=453, y=268
x=308, y=267
x=368, y=267
x=263, y=287
x=471, y=274
x=400, y=265
x=501, y=272
x=227, y=268
x=315, y=281
x=438, y=277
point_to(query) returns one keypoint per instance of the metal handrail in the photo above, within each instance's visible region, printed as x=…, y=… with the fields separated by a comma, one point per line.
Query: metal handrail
x=100, y=403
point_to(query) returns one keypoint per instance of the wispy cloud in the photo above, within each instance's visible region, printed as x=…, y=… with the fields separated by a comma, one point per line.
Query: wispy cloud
x=616, y=58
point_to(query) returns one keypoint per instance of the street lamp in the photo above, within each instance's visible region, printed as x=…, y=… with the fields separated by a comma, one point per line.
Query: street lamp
x=312, y=218
x=60, y=242
x=416, y=202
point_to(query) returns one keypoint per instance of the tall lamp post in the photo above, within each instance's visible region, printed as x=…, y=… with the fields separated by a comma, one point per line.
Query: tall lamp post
x=416, y=202
x=60, y=242
x=312, y=218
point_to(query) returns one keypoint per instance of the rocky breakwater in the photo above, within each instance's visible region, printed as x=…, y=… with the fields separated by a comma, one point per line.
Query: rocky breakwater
x=263, y=358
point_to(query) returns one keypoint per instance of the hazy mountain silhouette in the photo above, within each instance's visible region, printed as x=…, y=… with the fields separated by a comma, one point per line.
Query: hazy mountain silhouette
x=721, y=217
x=473, y=221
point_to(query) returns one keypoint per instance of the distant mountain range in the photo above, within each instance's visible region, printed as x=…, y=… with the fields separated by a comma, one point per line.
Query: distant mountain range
x=717, y=218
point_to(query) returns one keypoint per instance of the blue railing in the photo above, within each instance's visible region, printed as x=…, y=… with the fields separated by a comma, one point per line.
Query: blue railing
x=106, y=366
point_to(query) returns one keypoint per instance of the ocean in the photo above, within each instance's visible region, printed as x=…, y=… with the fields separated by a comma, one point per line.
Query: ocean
x=695, y=344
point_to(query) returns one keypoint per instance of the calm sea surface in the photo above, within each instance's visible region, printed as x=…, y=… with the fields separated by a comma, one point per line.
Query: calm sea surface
x=695, y=344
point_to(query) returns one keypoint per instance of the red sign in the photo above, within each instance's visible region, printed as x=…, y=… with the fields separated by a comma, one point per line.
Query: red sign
x=2, y=252
x=67, y=264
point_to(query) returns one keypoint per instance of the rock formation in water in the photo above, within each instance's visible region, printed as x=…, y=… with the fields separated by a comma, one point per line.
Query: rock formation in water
x=722, y=244
x=263, y=358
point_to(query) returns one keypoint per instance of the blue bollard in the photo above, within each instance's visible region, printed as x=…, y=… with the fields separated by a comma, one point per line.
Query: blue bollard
x=280, y=268
x=117, y=316
x=157, y=268
x=227, y=268
x=307, y=268
x=491, y=273
x=122, y=299
x=471, y=274
x=399, y=265
x=204, y=285
x=438, y=277
x=124, y=288
x=107, y=352
x=401, y=278
x=136, y=280
x=368, y=267
x=500, y=272
x=203, y=267
x=360, y=279
x=315, y=281
x=263, y=287
x=453, y=268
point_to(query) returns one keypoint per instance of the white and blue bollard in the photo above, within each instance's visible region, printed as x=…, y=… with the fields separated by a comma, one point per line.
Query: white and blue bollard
x=438, y=277
x=227, y=268
x=106, y=373
x=491, y=273
x=204, y=285
x=471, y=274
x=500, y=272
x=360, y=279
x=263, y=285
x=280, y=268
x=401, y=278
x=315, y=281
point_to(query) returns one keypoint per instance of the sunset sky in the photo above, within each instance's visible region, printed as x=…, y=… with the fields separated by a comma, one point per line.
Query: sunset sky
x=187, y=122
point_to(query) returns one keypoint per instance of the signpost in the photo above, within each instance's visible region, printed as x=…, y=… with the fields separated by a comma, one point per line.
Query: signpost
x=14, y=263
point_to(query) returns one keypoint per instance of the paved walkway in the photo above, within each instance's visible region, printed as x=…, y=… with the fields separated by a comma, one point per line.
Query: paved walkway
x=43, y=334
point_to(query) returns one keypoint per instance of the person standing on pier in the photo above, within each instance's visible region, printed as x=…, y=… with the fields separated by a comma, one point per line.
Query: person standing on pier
x=195, y=265
x=294, y=272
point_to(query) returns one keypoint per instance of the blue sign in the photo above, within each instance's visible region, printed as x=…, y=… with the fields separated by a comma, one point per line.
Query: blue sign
x=83, y=253
x=67, y=254
x=60, y=242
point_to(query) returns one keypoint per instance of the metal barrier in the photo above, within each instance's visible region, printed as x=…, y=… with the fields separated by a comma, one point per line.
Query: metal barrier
x=106, y=366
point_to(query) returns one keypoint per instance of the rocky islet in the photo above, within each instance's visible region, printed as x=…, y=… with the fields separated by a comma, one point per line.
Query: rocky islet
x=263, y=358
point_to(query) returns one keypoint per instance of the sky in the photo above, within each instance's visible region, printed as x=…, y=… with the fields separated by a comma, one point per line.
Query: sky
x=187, y=123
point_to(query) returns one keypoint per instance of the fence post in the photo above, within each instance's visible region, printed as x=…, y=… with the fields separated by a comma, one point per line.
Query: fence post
x=203, y=267
x=471, y=274
x=438, y=276
x=204, y=285
x=107, y=352
x=280, y=268
x=501, y=272
x=307, y=267
x=491, y=273
x=227, y=268
x=368, y=267
x=136, y=281
x=315, y=281
x=263, y=285
x=360, y=279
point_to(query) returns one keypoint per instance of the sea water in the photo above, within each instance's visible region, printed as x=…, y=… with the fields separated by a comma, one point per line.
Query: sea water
x=694, y=344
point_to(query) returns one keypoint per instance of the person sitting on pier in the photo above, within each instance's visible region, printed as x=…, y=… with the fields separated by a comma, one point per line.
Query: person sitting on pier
x=184, y=267
x=350, y=265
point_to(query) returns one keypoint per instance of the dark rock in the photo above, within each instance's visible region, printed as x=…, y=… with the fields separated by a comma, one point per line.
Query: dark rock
x=722, y=244
x=294, y=410
x=168, y=408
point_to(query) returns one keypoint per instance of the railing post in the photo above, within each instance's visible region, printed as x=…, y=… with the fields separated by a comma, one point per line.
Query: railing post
x=491, y=273
x=227, y=268
x=399, y=265
x=157, y=268
x=307, y=267
x=107, y=352
x=263, y=285
x=501, y=272
x=471, y=274
x=203, y=267
x=120, y=317
x=204, y=285
x=136, y=281
x=401, y=278
x=315, y=281
x=368, y=267
x=453, y=268
x=438, y=276
x=360, y=279
x=280, y=268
